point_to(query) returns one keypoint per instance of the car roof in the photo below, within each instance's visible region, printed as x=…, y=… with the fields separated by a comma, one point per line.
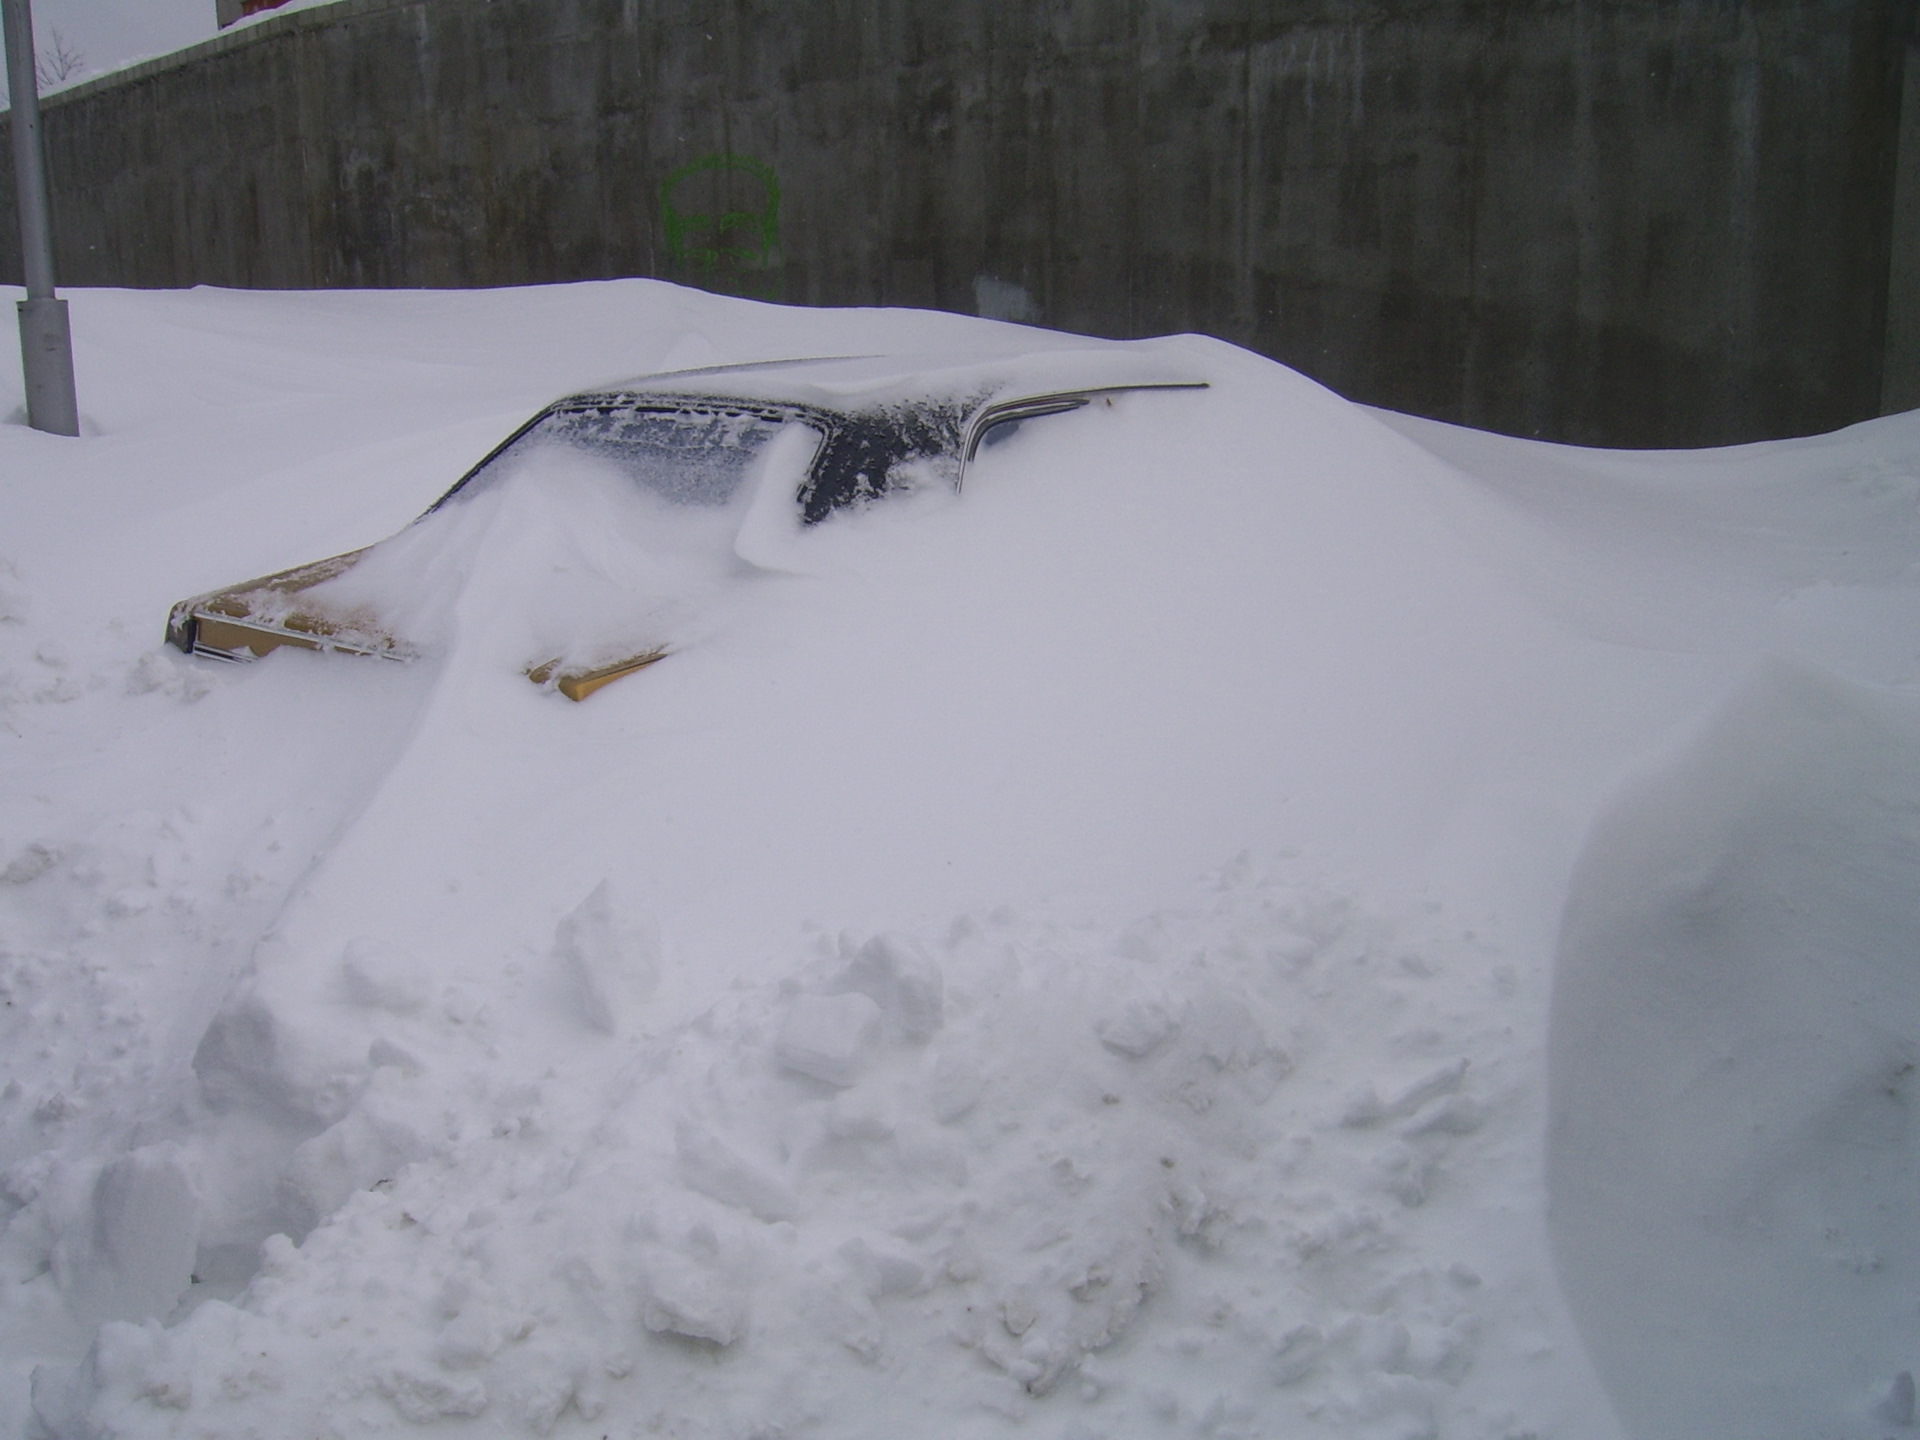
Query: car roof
x=866, y=382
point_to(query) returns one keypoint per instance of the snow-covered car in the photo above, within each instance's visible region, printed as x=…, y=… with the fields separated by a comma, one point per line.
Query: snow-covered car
x=1260, y=917
x=754, y=444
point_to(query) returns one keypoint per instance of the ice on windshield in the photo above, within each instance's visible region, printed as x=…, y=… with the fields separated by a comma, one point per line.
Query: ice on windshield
x=683, y=455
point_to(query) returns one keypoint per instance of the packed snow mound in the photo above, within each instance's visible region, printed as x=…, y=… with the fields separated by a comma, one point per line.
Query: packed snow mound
x=1736, y=1025
x=824, y=1033
x=1217, y=1167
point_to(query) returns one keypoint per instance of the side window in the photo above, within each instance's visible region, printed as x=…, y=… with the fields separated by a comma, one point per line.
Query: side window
x=866, y=455
x=999, y=423
x=998, y=432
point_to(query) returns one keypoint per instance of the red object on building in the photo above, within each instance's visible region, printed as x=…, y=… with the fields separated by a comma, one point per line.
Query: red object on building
x=228, y=11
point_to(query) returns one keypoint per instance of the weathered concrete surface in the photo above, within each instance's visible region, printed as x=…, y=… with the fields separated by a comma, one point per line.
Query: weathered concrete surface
x=1900, y=369
x=1607, y=221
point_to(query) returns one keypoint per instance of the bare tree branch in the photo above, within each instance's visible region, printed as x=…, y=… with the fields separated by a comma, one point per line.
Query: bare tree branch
x=58, y=61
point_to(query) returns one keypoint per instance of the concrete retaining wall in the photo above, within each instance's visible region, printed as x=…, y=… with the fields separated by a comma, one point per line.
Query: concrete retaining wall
x=1610, y=221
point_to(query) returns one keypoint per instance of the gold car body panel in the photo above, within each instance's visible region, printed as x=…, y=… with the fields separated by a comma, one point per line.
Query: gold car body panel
x=578, y=682
x=253, y=618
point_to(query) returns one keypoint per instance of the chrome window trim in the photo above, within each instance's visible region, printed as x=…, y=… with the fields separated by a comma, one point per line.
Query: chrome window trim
x=1032, y=407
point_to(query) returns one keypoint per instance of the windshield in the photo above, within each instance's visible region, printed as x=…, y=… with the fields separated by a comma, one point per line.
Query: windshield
x=686, y=455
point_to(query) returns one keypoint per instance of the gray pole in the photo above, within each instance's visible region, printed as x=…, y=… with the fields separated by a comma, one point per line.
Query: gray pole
x=46, y=344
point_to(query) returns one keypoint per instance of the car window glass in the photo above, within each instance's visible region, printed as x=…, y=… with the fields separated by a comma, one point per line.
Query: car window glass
x=1001, y=431
x=682, y=455
x=868, y=454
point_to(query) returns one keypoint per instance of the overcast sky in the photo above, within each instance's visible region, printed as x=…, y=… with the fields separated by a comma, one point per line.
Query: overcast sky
x=107, y=34
x=110, y=33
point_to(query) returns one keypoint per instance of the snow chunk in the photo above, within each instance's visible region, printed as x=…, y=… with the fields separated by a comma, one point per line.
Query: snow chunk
x=708, y=1166
x=954, y=1087
x=1369, y=1109
x=15, y=603
x=1140, y=1028
x=827, y=1037
x=900, y=977
x=687, y=1298
x=370, y=1145
x=424, y=1397
x=377, y=977
x=609, y=970
x=137, y=1258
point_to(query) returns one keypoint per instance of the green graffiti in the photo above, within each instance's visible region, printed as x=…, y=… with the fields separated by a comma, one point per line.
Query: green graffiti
x=722, y=217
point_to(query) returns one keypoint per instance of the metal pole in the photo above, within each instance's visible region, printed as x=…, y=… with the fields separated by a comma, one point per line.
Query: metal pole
x=46, y=343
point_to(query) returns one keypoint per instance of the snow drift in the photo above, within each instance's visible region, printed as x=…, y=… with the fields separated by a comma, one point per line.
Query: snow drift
x=1734, y=1042
x=1075, y=955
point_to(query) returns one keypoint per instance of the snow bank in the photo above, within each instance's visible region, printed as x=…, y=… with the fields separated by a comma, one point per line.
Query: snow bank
x=1227, y=1167
x=1735, y=1029
x=825, y=1032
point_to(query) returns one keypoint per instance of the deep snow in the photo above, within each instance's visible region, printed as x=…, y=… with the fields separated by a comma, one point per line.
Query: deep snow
x=1078, y=957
